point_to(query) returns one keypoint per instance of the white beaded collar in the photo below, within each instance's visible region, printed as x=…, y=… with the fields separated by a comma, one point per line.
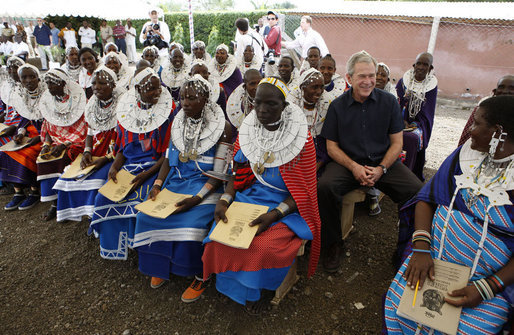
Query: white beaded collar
x=289, y=144
x=64, y=114
x=137, y=120
x=212, y=129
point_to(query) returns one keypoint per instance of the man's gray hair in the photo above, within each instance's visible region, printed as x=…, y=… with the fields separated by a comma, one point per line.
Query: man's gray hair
x=359, y=57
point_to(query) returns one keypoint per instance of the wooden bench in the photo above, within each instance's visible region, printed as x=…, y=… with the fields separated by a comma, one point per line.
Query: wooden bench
x=348, y=209
x=290, y=279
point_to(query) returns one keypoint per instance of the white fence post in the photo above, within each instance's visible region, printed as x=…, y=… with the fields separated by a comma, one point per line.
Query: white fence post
x=433, y=34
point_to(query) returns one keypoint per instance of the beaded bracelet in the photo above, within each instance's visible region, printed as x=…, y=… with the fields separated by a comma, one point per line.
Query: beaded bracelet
x=497, y=282
x=227, y=197
x=479, y=290
x=421, y=250
x=484, y=289
x=421, y=239
x=203, y=192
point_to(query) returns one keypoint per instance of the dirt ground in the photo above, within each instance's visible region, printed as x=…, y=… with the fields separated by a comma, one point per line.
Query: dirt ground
x=53, y=281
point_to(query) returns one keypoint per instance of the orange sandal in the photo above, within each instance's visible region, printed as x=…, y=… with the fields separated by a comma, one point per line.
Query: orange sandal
x=157, y=282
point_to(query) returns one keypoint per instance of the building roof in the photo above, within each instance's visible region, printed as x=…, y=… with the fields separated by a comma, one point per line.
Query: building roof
x=111, y=9
x=466, y=10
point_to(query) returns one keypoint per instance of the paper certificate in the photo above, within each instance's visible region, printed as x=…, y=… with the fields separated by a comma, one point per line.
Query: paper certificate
x=118, y=191
x=430, y=308
x=12, y=146
x=74, y=170
x=163, y=205
x=48, y=157
x=236, y=232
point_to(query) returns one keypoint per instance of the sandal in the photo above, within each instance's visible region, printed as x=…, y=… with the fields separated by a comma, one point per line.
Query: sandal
x=51, y=213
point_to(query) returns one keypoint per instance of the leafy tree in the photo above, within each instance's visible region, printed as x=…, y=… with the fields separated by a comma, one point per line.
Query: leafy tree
x=215, y=4
x=178, y=35
x=171, y=6
x=284, y=5
x=213, y=40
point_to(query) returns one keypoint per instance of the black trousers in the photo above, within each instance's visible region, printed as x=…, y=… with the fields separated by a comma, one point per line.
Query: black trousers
x=399, y=183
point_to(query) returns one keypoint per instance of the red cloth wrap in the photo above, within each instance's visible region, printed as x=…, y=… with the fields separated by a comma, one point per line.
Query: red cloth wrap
x=300, y=178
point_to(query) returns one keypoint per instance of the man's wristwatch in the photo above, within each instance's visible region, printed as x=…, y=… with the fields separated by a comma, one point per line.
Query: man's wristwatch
x=384, y=169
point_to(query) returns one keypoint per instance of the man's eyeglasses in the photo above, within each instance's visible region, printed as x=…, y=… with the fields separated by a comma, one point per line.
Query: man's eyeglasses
x=272, y=18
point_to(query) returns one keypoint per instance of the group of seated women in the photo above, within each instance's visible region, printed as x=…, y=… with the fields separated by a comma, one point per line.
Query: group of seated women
x=169, y=123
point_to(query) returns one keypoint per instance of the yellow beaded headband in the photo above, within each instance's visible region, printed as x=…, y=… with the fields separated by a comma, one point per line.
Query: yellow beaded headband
x=277, y=83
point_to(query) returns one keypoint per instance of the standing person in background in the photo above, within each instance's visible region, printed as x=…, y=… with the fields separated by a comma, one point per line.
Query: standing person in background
x=307, y=38
x=43, y=39
x=7, y=31
x=247, y=36
x=55, y=34
x=274, y=38
x=87, y=35
x=31, y=40
x=119, y=34
x=130, y=40
x=106, y=33
x=68, y=36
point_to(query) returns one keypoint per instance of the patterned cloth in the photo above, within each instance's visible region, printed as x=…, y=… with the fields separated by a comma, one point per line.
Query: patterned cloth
x=76, y=134
x=415, y=160
x=11, y=119
x=76, y=197
x=114, y=222
x=461, y=243
x=20, y=166
x=465, y=132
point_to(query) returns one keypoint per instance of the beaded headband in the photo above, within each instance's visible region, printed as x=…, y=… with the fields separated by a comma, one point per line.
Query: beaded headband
x=386, y=68
x=277, y=83
x=56, y=76
x=147, y=71
x=309, y=76
x=109, y=44
x=29, y=66
x=152, y=48
x=200, y=83
x=15, y=60
x=222, y=46
x=199, y=45
x=105, y=69
x=68, y=49
x=113, y=54
x=178, y=45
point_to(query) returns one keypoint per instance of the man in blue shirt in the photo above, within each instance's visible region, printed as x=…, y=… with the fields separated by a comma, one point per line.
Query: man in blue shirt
x=364, y=133
x=44, y=40
x=55, y=34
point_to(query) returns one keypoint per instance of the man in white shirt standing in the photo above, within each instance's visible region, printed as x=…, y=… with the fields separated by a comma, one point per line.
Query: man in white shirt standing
x=130, y=38
x=87, y=35
x=248, y=36
x=20, y=48
x=5, y=48
x=307, y=38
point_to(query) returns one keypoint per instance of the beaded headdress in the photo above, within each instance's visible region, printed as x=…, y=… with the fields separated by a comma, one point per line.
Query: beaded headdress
x=277, y=83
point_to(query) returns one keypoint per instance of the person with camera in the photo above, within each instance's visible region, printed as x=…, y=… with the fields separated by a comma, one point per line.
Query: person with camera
x=155, y=32
x=274, y=37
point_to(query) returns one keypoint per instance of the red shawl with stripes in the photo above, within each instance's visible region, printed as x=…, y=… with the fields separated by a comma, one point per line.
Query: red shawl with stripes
x=300, y=178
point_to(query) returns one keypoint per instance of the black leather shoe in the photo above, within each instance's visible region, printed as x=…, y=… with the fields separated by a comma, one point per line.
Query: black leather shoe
x=332, y=260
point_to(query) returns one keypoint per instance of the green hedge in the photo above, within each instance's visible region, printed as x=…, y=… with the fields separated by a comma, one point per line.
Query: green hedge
x=203, y=23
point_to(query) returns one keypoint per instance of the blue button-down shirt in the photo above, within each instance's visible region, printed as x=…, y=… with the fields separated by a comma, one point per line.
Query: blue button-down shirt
x=362, y=129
